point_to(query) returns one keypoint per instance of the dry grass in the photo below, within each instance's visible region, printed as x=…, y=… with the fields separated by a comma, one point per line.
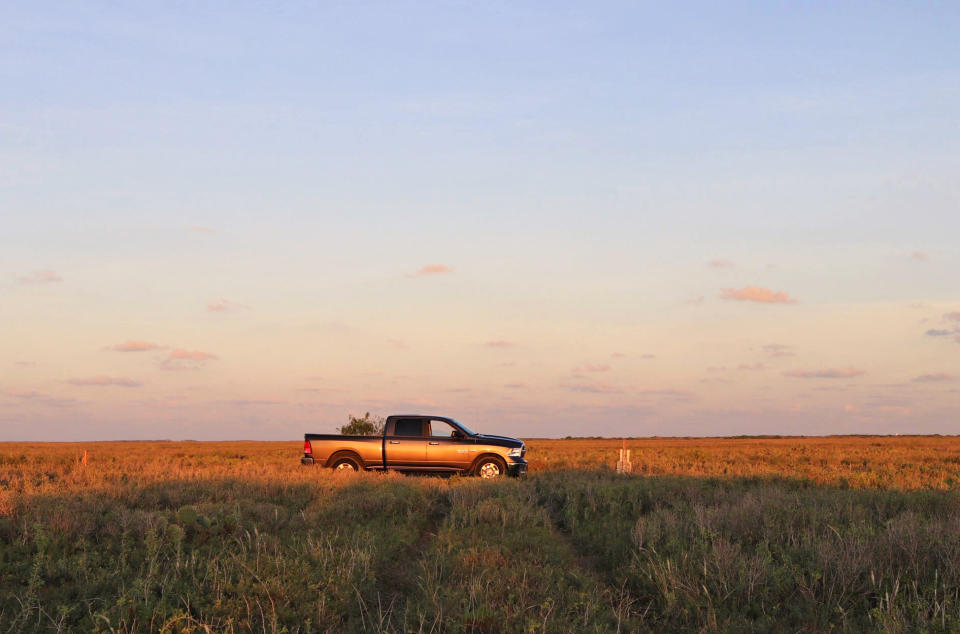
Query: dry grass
x=780, y=534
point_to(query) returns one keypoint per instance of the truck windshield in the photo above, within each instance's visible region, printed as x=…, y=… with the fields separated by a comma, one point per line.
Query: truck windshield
x=469, y=431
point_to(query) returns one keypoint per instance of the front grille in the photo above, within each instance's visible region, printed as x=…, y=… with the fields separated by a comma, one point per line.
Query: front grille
x=523, y=451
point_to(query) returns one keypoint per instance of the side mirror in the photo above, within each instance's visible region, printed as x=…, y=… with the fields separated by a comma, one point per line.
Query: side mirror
x=457, y=434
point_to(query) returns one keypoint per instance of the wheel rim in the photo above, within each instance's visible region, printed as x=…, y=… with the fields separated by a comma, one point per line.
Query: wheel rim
x=345, y=466
x=489, y=470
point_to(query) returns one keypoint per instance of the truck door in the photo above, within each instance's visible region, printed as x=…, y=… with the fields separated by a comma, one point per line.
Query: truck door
x=447, y=446
x=406, y=443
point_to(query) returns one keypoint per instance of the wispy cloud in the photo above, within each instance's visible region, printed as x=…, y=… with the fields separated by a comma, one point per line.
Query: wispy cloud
x=936, y=332
x=133, y=345
x=594, y=388
x=105, y=381
x=778, y=350
x=757, y=294
x=224, y=305
x=720, y=263
x=499, y=343
x=954, y=316
x=648, y=356
x=934, y=378
x=182, y=359
x=432, y=269
x=591, y=367
x=752, y=366
x=514, y=386
x=828, y=373
x=42, y=276
x=37, y=397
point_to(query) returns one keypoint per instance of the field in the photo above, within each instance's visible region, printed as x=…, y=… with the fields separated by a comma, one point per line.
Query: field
x=731, y=535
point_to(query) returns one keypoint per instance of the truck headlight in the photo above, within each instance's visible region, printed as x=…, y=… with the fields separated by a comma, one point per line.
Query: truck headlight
x=516, y=452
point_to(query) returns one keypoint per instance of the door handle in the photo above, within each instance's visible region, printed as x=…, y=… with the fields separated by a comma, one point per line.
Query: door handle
x=434, y=443
x=394, y=442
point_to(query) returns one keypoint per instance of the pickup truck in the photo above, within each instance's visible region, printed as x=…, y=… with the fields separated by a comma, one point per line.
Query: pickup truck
x=419, y=443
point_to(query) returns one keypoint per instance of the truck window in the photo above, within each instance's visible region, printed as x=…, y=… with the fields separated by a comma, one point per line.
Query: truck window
x=408, y=427
x=441, y=429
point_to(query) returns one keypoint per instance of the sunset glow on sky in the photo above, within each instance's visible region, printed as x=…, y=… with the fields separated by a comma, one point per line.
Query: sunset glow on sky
x=231, y=220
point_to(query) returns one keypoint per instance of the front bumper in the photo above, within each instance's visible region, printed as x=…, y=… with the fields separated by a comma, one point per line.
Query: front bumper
x=306, y=460
x=516, y=467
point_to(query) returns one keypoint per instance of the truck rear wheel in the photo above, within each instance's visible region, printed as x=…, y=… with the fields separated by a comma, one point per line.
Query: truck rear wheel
x=345, y=463
x=490, y=467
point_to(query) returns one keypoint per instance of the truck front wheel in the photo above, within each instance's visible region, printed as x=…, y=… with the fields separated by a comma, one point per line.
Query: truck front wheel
x=346, y=463
x=491, y=467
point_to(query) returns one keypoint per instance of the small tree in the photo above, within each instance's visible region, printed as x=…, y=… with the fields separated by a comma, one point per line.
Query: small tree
x=366, y=426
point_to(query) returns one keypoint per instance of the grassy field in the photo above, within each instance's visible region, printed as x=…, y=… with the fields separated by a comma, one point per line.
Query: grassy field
x=733, y=535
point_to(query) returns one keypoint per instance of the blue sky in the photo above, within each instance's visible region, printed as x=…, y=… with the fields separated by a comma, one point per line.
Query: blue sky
x=590, y=177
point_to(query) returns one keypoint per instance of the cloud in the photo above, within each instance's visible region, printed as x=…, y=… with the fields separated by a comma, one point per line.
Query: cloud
x=38, y=397
x=132, y=345
x=757, y=294
x=104, y=381
x=954, y=316
x=778, y=350
x=507, y=364
x=720, y=263
x=181, y=359
x=224, y=305
x=648, y=356
x=617, y=355
x=752, y=366
x=515, y=386
x=590, y=367
x=200, y=229
x=919, y=256
x=191, y=355
x=933, y=378
x=829, y=373
x=933, y=332
x=594, y=388
x=396, y=343
x=432, y=269
x=43, y=276
x=499, y=344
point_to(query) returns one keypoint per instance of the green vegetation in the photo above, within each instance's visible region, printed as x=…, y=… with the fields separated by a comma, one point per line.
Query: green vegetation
x=364, y=426
x=231, y=540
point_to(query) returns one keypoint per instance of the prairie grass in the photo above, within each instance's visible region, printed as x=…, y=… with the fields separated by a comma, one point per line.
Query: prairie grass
x=727, y=535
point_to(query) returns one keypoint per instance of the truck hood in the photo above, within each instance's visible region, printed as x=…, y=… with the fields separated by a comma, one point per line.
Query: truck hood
x=503, y=441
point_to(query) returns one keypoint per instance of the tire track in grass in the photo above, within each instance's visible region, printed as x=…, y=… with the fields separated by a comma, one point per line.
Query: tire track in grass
x=498, y=563
x=397, y=581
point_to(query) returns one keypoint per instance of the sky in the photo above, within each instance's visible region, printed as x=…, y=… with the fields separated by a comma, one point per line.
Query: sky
x=250, y=220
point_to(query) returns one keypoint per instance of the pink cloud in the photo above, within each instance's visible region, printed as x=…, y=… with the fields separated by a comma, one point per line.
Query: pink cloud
x=954, y=316
x=132, y=345
x=590, y=367
x=752, y=366
x=594, y=388
x=181, y=359
x=432, y=269
x=515, y=386
x=191, y=355
x=935, y=377
x=103, y=381
x=757, y=294
x=43, y=276
x=499, y=344
x=829, y=373
x=778, y=350
x=224, y=305
x=720, y=264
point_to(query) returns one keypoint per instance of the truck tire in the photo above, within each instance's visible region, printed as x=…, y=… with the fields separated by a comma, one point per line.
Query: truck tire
x=490, y=467
x=345, y=463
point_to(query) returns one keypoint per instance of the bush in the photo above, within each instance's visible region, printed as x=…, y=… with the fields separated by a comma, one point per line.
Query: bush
x=365, y=426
